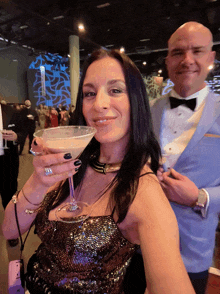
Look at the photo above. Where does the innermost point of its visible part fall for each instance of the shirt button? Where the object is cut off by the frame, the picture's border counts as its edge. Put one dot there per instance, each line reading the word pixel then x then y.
pixel 174 132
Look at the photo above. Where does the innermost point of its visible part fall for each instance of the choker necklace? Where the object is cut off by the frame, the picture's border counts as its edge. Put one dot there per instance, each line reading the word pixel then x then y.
pixel 103 168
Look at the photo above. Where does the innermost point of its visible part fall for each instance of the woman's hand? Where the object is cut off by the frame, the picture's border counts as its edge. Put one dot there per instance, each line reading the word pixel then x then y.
pixel 52 168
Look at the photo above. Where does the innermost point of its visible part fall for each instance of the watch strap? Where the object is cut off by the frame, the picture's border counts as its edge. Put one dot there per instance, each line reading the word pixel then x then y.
pixel 202 202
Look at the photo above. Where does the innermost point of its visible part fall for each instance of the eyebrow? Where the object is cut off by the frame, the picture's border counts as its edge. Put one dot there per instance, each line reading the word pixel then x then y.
pixel 111 82
pixel 182 49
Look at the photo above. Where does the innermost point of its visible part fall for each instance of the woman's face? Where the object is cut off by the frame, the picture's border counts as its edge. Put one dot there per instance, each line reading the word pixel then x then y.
pixel 106 104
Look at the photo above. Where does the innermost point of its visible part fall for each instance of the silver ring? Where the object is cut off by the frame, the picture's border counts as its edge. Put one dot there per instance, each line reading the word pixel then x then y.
pixel 48 171
pixel 35 153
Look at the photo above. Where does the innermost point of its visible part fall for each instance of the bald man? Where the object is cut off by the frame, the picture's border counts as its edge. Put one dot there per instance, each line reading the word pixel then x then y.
pixel 187 124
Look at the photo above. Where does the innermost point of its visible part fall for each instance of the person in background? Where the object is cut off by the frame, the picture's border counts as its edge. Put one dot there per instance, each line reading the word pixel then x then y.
pixel 16 107
pixel 10 134
pixel 41 116
pixel 3 102
pixel 117 179
pixel 28 119
pixel 48 118
pixel 58 109
pixel 187 124
pixel 64 117
pixel 53 117
pixel 71 114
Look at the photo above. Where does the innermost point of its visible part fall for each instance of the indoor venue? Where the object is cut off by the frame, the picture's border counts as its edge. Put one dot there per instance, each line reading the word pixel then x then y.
pixel 43 45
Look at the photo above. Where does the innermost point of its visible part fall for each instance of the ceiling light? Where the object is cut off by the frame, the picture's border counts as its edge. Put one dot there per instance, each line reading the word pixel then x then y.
pixel 23 27
pixel 160 71
pixel 122 50
pixel 81 27
pixel 103 5
pixel 210 67
pixel 58 17
pixel 144 63
pixel 109 45
pixel 68 55
pixel 144 40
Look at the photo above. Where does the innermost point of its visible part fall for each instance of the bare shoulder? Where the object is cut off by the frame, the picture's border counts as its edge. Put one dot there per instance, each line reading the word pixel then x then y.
pixel 150 209
pixel 150 206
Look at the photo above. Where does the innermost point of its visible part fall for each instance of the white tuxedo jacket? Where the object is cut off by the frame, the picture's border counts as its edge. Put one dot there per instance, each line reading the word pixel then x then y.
pixel 200 162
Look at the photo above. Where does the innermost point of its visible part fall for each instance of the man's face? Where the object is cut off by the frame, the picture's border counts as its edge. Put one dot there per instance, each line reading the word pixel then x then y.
pixel 27 103
pixel 188 60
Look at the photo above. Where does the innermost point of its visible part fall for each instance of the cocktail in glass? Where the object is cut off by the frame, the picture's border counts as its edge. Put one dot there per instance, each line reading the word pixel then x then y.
pixel 71 139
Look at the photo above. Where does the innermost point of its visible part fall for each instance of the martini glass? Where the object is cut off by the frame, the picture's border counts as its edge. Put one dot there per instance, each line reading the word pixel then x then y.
pixel 5 144
pixel 71 139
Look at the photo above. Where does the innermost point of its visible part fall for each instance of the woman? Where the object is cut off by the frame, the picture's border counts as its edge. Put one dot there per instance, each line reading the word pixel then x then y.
pixel 54 117
pixel 41 116
pixel 47 117
pixel 71 114
pixel 128 206
pixel 64 117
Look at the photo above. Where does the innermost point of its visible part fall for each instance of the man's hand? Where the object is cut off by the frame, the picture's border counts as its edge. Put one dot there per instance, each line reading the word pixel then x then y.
pixel 30 116
pixel 9 135
pixel 178 188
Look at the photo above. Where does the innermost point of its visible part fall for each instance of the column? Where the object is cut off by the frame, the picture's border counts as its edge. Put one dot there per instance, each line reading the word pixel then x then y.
pixel 74 66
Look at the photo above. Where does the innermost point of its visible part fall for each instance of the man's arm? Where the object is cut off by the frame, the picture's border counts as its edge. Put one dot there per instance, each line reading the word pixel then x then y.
pixel 178 188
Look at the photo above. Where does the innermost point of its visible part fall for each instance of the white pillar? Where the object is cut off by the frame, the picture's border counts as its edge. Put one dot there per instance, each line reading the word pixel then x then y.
pixel 74 66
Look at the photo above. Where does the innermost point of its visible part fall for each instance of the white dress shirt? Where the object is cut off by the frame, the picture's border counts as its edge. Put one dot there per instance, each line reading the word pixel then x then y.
pixel 178 127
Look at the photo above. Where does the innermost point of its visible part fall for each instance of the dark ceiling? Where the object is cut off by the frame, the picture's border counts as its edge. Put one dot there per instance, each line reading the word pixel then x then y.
pixel 142 27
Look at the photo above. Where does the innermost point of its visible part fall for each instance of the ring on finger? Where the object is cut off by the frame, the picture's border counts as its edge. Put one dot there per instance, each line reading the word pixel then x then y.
pixel 35 153
pixel 48 171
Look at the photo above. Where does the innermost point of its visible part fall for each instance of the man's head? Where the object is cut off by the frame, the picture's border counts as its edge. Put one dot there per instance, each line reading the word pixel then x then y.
pixel 189 57
pixel 27 103
pixel 3 102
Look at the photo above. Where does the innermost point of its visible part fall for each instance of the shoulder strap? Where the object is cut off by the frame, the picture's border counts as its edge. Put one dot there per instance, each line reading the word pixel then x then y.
pixel 113 210
pixel 147 173
pixel 22 243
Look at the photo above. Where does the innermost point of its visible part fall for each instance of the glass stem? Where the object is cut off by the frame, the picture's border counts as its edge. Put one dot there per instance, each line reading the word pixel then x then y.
pixel 71 185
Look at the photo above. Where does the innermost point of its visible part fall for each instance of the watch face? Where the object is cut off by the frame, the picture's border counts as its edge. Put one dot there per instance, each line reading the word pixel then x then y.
pixel 202 199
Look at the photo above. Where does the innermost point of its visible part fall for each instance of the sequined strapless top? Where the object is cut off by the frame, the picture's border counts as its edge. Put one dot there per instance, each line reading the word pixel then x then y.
pixel 85 257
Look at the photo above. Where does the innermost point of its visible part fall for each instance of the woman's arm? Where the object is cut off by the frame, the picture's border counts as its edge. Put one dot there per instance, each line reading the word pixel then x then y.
pixel 34 190
pixel 159 240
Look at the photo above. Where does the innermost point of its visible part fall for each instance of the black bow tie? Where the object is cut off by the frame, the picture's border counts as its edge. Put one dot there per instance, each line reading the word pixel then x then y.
pixel 191 103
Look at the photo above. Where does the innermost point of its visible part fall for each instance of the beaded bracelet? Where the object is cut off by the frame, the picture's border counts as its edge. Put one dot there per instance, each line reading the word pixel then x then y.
pixel 30 211
pixel 14 199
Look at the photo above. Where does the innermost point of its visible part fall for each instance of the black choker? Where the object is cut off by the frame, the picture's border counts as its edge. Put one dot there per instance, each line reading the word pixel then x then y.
pixel 103 168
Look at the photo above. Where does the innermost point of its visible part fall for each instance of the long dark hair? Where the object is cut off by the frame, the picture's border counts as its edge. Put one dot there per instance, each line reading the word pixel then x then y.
pixel 142 144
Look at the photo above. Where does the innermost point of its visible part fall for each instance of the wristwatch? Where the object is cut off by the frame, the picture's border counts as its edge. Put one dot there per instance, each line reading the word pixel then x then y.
pixel 201 202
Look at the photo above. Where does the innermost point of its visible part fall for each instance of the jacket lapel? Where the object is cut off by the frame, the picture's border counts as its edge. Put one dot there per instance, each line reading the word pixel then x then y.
pixel 210 113
pixel 157 113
